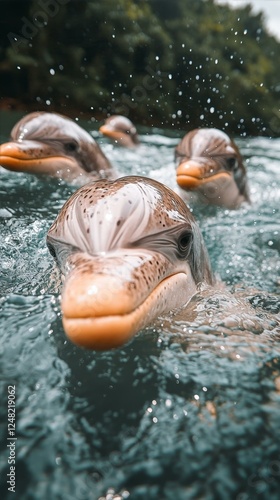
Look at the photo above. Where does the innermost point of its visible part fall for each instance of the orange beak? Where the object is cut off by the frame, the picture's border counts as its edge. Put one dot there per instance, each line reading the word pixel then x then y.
pixel 32 157
pixel 103 310
pixel 192 174
pixel 111 133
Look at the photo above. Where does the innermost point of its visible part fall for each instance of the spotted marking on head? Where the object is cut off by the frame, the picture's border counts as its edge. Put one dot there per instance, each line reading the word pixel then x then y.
pixel 132 212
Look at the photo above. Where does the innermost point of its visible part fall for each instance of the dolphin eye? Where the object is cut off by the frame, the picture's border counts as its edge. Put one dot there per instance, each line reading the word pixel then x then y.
pixel 184 241
pixel 71 147
pixel 232 163
pixel 125 130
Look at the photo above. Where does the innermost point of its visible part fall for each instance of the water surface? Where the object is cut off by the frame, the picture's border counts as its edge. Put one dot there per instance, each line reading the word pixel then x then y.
pixel 190 407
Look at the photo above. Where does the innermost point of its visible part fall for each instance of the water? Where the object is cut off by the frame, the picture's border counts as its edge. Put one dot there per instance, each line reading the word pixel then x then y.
pixel 190 407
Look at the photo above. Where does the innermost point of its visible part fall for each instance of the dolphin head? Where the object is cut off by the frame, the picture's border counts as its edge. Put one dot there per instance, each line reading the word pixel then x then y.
pixel 210 167
pixel 120 130
pixel 130 251
pixel 48 143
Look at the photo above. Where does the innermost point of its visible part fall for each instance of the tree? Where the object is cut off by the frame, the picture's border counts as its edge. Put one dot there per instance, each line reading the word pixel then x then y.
pixel 183 63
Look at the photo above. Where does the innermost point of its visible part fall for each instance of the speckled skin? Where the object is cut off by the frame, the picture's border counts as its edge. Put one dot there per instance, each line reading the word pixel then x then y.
pixel 52 144
pixel 120 130
pixel 210 168
pixel 131 250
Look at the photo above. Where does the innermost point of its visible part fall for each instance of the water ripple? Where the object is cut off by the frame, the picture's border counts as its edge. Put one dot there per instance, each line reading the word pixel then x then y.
pixel 190 407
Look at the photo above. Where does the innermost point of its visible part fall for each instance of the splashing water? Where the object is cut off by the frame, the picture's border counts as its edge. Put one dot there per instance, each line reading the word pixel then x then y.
pixel 190 407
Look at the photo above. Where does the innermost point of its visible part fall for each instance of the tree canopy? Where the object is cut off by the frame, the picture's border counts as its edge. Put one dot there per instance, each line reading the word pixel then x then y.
pixel 180 64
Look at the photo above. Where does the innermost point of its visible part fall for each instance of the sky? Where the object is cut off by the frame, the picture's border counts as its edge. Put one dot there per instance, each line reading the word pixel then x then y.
pixel 271 9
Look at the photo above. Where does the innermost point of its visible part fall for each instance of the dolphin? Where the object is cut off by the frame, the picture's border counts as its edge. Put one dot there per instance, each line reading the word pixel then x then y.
pixel 130 251
pixel 120 130
pixel 210 168
pixel 52 144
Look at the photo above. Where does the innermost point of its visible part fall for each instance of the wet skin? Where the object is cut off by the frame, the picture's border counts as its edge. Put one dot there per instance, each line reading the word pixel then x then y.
pixel 52 144
pixel 210 169
pixel 120 130
pixel 130 251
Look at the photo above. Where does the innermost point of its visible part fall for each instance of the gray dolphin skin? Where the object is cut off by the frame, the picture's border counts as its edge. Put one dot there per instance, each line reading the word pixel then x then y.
pixel 120 130
pixel 210 169
pixel 52 144
pixel 130 251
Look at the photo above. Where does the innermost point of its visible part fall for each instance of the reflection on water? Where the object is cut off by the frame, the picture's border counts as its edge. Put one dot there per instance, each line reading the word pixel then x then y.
pixel 189 408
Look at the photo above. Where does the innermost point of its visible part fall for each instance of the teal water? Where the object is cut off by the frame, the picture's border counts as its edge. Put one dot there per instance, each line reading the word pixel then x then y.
pixel 190 408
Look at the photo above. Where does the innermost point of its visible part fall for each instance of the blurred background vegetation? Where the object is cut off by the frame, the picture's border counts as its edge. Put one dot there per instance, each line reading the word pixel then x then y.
pixel 167 63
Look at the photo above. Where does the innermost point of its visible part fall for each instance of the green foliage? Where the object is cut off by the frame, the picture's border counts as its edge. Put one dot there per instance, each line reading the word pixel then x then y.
pixel 184 63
